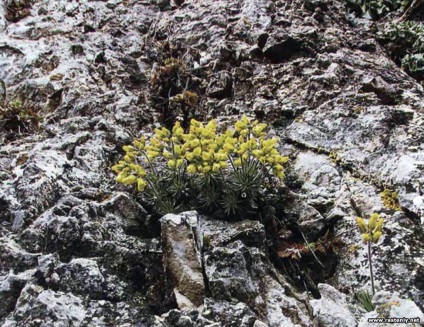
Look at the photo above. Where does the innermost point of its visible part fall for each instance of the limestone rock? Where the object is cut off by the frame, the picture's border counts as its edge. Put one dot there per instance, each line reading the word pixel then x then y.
pixel 332 308
pixel 180 242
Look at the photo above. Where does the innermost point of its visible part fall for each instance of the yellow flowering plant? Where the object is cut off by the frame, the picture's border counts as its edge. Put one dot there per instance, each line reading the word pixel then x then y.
pixel 225 172
pixel 371 233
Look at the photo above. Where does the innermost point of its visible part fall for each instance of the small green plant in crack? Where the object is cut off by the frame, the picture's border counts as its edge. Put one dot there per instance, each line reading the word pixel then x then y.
pixel 19 117
pixel 371 233
pixel 405 45
pixel 17 9
pixel 364 298
pixel 414 64
pixel 227 173
pixel 376 9
pixel 175 86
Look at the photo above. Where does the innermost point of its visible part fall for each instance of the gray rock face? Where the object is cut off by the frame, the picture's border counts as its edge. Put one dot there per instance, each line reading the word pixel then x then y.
pixel 332 308
pixel 38 306
pixel 182 259
pixel 243 286
pixel 78 250
pixel 106 283
pixel 238 271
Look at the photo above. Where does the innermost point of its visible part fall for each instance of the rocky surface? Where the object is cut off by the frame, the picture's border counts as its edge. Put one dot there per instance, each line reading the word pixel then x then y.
pixel 332 309
pixel 390 306
pixel 78 250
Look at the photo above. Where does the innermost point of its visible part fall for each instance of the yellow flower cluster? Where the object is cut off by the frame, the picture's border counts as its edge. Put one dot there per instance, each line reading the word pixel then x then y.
pixel 202 150
pixel 371 231
pixel 205 151
pixel 129 172
pixel 252 143
pixel 244 127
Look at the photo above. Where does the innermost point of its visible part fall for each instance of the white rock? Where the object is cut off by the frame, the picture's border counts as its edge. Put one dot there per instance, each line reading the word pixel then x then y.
pixel 332 309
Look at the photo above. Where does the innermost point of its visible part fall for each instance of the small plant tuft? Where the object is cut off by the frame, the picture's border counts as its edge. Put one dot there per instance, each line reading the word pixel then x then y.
pixel 364 298
pixel 17 117
pixel 390 200
pixel 405 44
pixel 376 9
pixel 17 9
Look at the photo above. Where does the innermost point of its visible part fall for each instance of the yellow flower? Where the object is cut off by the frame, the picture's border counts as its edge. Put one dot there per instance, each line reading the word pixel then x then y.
pixel 220 156
pixel 280 159
pixel 119 166
pixel 228 147
pixel 278 171
pixel 242 149
pixel 141 185
pixel 206 143
pixel 257 131
pixel 223 164
pixel 194 143
pixel 257 153
pixel 244 132
pixel 197 152
pixel 138 169
pixel 376 236
pixel 163 134
pixel 177 130
pixel 128 148
pixel 361 225
pixel 172 164
pixel 185 147
pixel 140 144
pixel 378 225
pixel 237 162
pixel 280 174
pixel 216 167
pixel 188 137
pixel 154 142
pixel 207 156
pixel 251 144
pixel 366 238
pixel 190 156
pixel 191 169
pixel 195 127
pixel 211 125
pixel 178 151
pixel 205 133
pixel 195 124
pixel 167 154
pixel 373 221
pixel 269 159
pixel 129 158
pixel 245 120
pixel 239 126
pixel 278 167
pixel 120 178
pixel 213 146
pixel 129 180
pixel 152 154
